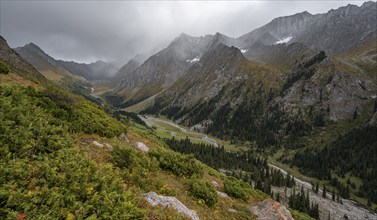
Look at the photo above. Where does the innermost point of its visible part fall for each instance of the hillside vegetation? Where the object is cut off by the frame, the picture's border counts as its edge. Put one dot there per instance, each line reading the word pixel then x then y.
pixel 52 165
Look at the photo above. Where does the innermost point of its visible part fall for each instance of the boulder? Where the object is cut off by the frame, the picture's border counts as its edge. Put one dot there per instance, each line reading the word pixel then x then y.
pixel 232 210
pixel 97 144
pixel 215 184
pixel 270 209
pixel 141 146
pixel 222 194
pixel 170 201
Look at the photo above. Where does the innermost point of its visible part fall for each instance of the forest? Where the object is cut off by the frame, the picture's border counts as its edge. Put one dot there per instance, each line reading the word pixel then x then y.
pixel 341 158
pixel 247 167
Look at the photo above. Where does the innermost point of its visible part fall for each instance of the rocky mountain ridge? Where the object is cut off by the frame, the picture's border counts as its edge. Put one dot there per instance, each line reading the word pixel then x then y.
pixel 268 44
pixel 99 70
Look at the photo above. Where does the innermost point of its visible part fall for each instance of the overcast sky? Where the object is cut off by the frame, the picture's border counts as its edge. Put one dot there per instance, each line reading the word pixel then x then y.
pixel 85 31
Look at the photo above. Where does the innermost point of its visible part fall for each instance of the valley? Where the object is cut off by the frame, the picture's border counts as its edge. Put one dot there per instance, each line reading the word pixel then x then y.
pixel 165 128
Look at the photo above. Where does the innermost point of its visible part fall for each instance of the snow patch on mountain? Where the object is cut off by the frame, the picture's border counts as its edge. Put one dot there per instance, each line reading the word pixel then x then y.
pixel 283 41
pixel 244 50
pixel 195 59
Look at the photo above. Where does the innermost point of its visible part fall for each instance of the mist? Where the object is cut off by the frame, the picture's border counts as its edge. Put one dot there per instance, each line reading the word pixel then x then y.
pixel 116 31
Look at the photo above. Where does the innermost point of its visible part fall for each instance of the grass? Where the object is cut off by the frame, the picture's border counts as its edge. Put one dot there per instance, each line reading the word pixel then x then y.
pixel 140 106
pixel 300 216
pixel 292 170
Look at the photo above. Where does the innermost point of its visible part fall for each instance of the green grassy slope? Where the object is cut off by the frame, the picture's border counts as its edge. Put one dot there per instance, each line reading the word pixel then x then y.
pixel 50 168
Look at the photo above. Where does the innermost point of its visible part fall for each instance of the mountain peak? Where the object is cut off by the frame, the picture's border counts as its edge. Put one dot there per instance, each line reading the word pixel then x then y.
pixel 33 46
pixel 182 37
pixel 368 4
pixel 221 50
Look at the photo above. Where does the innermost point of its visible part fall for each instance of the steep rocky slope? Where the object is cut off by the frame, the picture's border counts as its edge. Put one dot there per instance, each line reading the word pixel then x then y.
pixel 330 31
pixel 57 70
pixel 270 43
pixel 52 69
pixel 162 69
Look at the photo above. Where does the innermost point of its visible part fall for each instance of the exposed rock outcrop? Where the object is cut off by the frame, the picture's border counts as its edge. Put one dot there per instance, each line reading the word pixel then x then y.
pixel 97 144
pixel 141 146
pixel 170 201
pixel 270 209
pixel 222 194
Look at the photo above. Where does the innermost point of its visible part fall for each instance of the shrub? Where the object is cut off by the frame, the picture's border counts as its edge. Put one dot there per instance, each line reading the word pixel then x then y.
pixel 62 184
pixel 234 188
pixel 178 164
pixel 4 68
pixel 137 168
pixel 203 190
pixel 26 129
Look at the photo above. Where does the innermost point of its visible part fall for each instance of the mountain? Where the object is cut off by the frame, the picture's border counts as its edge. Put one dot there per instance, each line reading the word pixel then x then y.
pixel 270 43
pixel 278 28
pixel 98 70
pixel 330 31
pixel 53 70
pixel 219 66
pixel 162 69
pixel 127 68
pixel 48 66
pixel 59 71
pixel 16 63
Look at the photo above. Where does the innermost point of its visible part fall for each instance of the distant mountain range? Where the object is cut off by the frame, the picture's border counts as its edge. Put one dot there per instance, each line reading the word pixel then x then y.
pixel 282 41
pixel 54 69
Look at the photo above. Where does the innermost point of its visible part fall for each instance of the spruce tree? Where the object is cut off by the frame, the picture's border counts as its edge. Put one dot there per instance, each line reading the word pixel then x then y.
pixel 324 191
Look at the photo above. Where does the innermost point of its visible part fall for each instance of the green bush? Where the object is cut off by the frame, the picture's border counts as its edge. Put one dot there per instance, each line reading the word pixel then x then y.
pixel 26 129
pixel 137 168
pixel 42 175
pixel 81 115
pixel 203 190
pixel 4 68
pixel 63 184
pixel 178 164
pixel 233 187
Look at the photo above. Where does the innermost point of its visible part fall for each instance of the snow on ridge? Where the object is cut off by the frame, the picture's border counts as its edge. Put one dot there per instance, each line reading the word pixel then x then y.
pixel 244 50
pixel 195 59
pixel 283 41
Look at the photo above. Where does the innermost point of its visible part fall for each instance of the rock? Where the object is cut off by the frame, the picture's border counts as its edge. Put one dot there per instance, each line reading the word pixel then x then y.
pixel 109 147
pixel 270 209
pixel 97 144
pixel 215 184
pixel 170 201
pixel 232 210
pixel 141 146
pixel 123 137
pixel 222 194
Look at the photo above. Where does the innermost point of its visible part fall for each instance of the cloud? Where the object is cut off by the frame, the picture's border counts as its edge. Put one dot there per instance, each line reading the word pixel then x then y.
pixel 86 31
